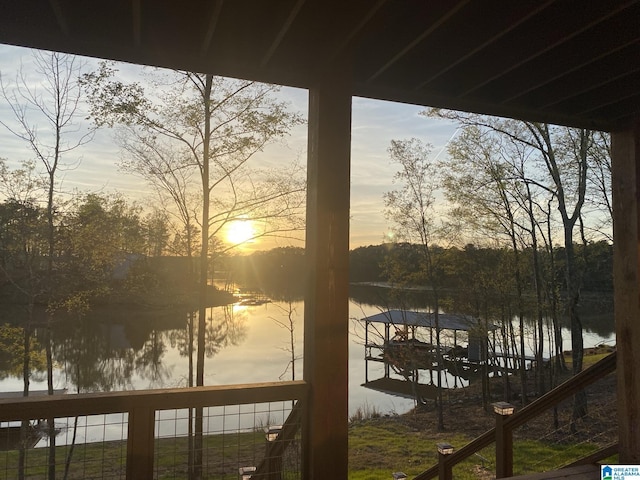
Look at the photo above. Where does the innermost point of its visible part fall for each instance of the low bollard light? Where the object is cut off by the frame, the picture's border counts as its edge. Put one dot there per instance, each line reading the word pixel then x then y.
pixel 272 432
pixel 274 461
pixel 504 440
pixel 503 408
pixel 445 472
pixel 444 448
pixel 245 472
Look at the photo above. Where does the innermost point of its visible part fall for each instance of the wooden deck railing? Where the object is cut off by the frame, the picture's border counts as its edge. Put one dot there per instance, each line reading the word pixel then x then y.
pixel 502 434
pixel 142 406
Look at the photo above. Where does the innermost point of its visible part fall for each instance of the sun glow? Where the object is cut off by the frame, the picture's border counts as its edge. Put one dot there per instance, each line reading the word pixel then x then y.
pixel 240 231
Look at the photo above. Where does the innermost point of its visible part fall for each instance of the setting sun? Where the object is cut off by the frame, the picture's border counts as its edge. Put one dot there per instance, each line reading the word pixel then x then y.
pixel 240 231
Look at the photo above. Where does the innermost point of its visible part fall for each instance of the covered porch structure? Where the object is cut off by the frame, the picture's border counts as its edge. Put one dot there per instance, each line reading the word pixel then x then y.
pixel 569 62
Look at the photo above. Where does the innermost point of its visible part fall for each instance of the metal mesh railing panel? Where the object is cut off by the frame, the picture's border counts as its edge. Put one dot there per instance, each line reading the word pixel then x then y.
pixel 85 447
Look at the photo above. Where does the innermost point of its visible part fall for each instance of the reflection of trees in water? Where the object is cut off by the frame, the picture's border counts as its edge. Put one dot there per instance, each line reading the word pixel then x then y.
pixel 108 356
pixel 12 339
pixel 603 324
pixel 95 353
pixel 224 327
pixel 93 357
pixel 148 360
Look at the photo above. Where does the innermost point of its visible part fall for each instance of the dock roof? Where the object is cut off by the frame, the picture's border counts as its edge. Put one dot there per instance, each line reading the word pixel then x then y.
pixel 447 321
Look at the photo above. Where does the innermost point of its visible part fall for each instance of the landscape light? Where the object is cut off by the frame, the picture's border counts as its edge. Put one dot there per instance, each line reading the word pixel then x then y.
pixel 272 432
pixel 444 448
pixel 245 472
pixel 399 475
pixel 503 408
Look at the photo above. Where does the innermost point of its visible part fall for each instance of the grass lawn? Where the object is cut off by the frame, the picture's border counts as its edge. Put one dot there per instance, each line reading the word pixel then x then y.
pixel 377 448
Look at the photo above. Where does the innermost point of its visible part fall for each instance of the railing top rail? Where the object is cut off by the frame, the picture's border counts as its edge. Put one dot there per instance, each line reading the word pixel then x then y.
pixel 478 443
pixel 98 403
pixel 566 389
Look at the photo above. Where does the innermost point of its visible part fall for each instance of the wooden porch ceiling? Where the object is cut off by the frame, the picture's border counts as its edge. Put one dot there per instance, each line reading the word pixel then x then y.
pixel 572 62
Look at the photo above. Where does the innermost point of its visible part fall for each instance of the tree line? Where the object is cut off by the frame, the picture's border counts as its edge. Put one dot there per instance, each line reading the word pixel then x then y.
pixel 525 187
pixel 465 267
pixel 466 272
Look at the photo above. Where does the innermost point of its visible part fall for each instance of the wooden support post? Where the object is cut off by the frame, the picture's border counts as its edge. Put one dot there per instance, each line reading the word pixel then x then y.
pixel 445 472
pixel 273 456
pixel 326 309
pixel 445 469
pixel 625 153
pixel 367 352
pixel 504 448
pixel 504 440
pixel 387 337
pixel 140 443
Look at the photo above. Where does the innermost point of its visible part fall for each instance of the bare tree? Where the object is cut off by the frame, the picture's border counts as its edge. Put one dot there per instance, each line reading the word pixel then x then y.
pixel 412 209
pixel 599 181
pixel 196 133
pixel 565 155
pixel 45 115
pixel 482 182
pixel 290 326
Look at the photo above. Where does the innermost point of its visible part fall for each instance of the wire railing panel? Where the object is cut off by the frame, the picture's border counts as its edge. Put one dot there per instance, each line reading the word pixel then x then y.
pixel 215 432
pixel 85 447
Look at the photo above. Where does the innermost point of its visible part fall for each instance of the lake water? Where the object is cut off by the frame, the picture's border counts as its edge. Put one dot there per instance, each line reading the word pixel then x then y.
pixel 253 346
pixel 257 351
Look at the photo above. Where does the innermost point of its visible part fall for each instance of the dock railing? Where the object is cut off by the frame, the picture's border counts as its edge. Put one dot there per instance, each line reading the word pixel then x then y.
pixel 155 431
pixel 502 434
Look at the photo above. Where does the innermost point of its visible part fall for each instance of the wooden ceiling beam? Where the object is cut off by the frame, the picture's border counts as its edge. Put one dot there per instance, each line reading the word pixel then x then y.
pixel 485 44
pixel 60 17
pixel 136 19
pixel 565 38
pixel 393 43
pixel 624 119
pixel 282 32
pixel 607 103
pixel 211 28
pixel 356 30
pixel 564 73
pixel 589 88
pixel 437 24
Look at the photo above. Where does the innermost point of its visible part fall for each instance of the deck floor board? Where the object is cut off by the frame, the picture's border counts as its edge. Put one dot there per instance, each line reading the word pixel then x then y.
pixel 581 472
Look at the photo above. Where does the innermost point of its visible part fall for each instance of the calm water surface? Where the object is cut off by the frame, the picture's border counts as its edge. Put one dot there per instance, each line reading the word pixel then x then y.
pixel 251 346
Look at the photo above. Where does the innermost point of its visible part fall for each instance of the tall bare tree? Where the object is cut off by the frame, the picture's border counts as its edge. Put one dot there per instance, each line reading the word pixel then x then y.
pixel 412 209
pixel 45 116
pixel 482 183
pixel 565 156
pixel 197 126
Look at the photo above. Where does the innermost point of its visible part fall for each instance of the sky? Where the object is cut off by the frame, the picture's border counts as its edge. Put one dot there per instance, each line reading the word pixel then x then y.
pixel 374 125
